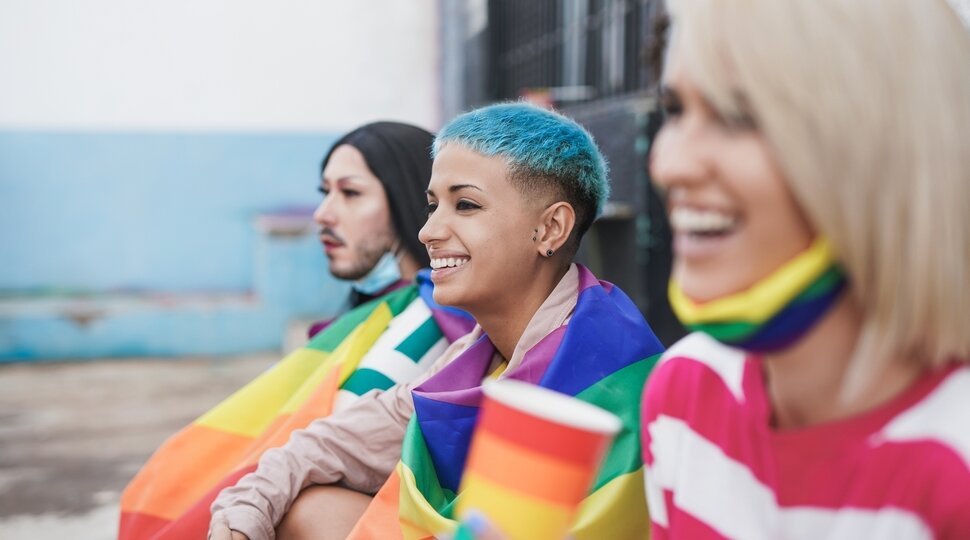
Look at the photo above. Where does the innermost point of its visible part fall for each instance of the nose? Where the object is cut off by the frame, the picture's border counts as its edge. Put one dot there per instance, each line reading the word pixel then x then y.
pixel 677 156
pixel 324 214
pixel 434 229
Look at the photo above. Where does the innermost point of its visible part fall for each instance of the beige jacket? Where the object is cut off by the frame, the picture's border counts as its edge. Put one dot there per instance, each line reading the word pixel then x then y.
pixel 359 446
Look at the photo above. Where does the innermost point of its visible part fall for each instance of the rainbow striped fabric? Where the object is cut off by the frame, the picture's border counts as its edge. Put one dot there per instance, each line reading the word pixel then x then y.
pixel 602 356
pixel 389 340
pixel 773 313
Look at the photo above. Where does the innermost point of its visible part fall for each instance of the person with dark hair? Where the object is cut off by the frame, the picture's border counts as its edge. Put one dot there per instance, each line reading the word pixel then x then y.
pixel 373 180
pixel 512 191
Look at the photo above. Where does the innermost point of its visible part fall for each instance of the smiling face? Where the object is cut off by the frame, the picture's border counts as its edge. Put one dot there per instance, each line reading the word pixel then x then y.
pixel 354 217
pixel 479 232
pixel 733 217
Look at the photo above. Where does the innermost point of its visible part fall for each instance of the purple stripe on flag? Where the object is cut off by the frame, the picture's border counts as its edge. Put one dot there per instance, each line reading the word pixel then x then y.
pixel 536 361
pixel 460 381
pixel 452 326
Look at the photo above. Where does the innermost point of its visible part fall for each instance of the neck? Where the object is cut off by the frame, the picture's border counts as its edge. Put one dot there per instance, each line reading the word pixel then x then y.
pixel 506 319
pixel 807 381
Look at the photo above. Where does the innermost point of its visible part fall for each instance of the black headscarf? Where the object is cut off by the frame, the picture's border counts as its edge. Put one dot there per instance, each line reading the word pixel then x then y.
pixel 399 155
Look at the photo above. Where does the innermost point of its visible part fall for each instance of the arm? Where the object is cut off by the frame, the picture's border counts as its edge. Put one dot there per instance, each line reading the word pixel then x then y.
pixel 219 530
pixel 357 447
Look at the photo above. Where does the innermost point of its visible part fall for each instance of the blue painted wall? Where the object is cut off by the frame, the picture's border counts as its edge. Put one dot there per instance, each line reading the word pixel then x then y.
pixel 136 211
pixel 153 235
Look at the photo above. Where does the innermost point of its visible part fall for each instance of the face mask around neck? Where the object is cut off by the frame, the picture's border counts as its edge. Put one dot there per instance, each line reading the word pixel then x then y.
pixel 774 312
pixel 385 273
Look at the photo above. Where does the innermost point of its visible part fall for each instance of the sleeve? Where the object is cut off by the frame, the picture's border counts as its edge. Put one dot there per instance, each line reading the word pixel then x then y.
pixel 358 447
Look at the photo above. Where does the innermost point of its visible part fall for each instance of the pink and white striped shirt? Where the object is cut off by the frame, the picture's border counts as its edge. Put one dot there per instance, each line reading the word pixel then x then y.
pixel 715 468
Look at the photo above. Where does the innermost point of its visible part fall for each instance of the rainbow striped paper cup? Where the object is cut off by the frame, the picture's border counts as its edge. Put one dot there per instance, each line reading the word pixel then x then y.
pixel 533 458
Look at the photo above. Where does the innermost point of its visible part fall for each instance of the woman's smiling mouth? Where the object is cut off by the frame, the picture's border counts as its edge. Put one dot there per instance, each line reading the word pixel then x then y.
pixel 699 232
pixel 442 267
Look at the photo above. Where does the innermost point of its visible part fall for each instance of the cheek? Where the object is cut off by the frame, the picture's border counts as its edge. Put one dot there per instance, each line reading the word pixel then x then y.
pixel 367 218
pixel 657 159
pixel 496 246
pixel 775 227
pixel 773 213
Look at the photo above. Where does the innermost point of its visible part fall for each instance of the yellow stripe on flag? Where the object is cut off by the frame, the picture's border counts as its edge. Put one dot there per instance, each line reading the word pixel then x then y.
pixel 248 411
pixel 764 299
pixel 364 336
pixel 416 512
pixel 618 509
pixel 285 387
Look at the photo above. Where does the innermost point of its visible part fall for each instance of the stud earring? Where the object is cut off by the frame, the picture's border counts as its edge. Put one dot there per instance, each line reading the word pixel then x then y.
pixel 548 253
pixel 535 233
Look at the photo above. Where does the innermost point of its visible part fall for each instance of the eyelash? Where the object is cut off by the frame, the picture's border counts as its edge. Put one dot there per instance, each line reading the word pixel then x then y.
pixel 349 193
pixel 461 206
pixel 466 205
pixel 670 106
pixel 671 110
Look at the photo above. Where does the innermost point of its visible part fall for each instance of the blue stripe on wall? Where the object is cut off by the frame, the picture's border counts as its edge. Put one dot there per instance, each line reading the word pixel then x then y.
pixel 166 212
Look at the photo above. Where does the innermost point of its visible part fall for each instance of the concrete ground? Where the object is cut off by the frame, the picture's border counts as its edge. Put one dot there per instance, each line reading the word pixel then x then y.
pixel 72 434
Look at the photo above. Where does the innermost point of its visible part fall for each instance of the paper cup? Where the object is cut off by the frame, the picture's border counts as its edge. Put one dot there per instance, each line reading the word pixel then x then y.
pixel 533 458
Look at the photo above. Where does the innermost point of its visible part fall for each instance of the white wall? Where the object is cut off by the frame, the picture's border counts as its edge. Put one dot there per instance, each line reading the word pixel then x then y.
pixel 214 65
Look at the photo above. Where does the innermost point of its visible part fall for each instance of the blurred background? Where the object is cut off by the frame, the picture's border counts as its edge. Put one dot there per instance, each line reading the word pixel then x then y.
pixel 158 168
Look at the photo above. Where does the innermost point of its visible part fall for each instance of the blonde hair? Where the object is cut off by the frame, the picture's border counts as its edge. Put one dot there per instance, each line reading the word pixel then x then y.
pixel 866 105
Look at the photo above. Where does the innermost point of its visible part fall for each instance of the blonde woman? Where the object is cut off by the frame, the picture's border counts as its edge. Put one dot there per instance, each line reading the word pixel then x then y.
pixel 816 159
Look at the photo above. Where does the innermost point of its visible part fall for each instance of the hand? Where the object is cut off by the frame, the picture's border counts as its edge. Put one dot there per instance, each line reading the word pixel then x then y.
pixel 219 529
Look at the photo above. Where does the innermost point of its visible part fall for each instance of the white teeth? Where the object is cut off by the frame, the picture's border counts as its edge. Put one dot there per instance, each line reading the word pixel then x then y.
pixel 450 262
pixel 693 220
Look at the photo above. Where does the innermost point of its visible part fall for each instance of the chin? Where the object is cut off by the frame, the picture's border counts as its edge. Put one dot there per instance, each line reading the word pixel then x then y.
pixel 450 298
pixel 701 288
pixel 442 297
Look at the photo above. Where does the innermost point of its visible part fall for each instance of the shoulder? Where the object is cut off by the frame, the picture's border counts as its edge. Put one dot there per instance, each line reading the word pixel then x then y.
pixel 697 379
pixel 939 418
pixel 700 357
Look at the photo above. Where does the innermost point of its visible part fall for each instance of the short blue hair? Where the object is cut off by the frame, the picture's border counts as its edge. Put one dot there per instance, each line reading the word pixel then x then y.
pixel 538 145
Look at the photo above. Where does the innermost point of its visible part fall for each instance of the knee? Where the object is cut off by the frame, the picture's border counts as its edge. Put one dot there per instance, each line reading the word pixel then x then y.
pixel 322 512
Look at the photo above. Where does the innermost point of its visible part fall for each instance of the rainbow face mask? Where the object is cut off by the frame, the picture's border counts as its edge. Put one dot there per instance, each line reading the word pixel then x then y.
pixel 773 313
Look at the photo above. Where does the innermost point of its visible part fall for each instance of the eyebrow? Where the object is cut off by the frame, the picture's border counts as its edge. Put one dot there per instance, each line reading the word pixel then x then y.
pixel 456 187
pixel 323 179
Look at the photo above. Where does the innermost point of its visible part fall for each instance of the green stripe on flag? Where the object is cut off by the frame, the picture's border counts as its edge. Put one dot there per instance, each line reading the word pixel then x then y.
pixel 421 340
pixel 331 336
pixel 400 299
pixel 615 393
pixel 365 379
pixel 823 285
pixel 728 331
pixel 415 456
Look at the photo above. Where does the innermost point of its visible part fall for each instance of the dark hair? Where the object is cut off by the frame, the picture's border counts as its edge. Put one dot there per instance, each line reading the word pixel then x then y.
pixel 399 155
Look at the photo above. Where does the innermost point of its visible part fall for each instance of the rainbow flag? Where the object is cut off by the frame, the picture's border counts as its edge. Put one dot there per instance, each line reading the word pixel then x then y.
pixel 602 356
pixel 389 340
pixel 776 311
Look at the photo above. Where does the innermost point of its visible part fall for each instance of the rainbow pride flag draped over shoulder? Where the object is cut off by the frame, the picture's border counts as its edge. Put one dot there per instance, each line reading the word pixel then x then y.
pixel 602 356
pixel 389 340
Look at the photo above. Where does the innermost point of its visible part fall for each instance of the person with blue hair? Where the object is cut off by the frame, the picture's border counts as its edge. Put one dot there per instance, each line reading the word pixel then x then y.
pixel 513 190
